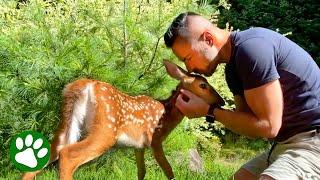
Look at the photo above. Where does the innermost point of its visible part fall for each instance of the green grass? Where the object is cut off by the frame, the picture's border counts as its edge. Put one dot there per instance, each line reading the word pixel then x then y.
pixel 119 163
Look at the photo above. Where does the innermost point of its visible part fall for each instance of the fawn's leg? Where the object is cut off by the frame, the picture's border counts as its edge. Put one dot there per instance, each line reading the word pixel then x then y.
pixel 72 156
pixel 140 163
pixel 60 139
pixel 55 147
pixel 162 160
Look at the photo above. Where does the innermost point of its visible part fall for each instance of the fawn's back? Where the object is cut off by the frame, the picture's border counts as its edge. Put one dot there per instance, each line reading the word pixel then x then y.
pixel 95 103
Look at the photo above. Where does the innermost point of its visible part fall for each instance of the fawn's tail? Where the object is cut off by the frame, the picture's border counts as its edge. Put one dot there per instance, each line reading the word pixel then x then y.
pixel 77 98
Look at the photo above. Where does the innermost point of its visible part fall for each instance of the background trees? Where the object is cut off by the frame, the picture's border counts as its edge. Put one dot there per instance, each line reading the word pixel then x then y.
pixel 299 20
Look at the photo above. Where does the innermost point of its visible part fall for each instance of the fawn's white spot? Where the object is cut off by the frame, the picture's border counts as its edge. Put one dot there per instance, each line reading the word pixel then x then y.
pixel 107 108
pixel 28 157
pixel 151 130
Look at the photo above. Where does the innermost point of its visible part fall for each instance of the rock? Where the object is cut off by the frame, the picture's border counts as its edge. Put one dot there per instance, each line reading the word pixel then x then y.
pixel 195 161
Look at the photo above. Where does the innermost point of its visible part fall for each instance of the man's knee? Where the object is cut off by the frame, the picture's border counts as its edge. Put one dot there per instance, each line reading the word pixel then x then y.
pixel 244 174
pixel 265 177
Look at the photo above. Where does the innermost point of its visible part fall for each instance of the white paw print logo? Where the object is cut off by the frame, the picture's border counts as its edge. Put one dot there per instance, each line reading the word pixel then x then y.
pixel 27 157
pixel 30 151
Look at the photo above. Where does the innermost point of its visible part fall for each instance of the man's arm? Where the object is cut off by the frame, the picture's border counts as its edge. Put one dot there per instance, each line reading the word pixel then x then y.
pixel 265 117
pixel 241 104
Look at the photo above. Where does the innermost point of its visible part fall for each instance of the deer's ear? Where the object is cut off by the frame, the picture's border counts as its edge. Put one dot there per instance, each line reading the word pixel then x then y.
pixel 174 70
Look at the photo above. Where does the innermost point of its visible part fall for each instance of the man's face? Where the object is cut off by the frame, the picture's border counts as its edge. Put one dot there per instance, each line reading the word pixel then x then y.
pixel 198 56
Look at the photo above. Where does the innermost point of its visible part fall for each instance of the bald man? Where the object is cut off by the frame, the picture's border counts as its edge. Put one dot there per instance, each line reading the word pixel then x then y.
pixel 276 87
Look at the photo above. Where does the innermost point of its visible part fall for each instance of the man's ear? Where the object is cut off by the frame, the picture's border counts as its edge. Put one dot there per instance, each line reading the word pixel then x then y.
pixel 174 70
pixel 208 38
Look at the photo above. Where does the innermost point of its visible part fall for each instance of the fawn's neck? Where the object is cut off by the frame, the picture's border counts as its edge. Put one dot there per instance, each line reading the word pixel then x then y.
pixel 169 120
pixel 172 113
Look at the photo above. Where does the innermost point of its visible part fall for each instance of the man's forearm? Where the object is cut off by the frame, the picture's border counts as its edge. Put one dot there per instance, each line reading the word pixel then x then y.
pixel 244 123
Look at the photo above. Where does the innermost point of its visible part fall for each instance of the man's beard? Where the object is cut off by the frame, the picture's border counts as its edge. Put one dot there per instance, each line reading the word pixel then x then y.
pixel 212 66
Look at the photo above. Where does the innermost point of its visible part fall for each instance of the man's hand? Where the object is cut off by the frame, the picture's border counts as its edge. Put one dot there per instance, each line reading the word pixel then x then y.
pixel 194 107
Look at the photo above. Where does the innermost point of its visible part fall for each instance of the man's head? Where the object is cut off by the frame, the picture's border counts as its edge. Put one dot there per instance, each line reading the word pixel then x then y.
pixel 197 42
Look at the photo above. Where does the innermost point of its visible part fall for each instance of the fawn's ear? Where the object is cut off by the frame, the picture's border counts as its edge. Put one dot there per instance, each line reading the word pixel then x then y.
pixel 174 70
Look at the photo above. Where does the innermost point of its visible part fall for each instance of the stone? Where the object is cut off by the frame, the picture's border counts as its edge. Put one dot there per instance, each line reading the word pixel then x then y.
pixel 195 161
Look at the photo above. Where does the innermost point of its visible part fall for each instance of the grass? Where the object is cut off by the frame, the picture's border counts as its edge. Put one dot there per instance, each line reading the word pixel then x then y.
pixel 119 163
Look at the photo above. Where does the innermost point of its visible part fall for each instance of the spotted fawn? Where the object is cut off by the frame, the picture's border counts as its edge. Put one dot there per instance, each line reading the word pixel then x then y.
pixel 96 116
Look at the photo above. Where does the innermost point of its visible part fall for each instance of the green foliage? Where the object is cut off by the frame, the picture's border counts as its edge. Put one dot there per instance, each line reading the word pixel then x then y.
pixel 120 163
pixel 45 45
pixel 299 20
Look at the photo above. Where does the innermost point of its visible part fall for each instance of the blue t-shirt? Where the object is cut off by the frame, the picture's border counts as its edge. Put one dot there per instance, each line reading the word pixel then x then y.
pixel 259 56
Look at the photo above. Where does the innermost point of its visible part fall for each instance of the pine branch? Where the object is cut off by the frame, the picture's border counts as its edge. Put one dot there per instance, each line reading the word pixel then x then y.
pixel 152 58
pixel 125 35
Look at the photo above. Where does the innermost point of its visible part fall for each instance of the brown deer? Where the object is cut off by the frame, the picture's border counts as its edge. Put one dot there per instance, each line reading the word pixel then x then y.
pixel 109 117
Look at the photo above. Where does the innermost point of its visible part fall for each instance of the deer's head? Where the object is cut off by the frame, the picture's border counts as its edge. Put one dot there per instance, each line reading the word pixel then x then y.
pixel 194 83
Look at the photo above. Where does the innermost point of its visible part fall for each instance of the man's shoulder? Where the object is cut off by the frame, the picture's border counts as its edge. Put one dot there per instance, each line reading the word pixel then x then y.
pixel 253 35
pixel 257 32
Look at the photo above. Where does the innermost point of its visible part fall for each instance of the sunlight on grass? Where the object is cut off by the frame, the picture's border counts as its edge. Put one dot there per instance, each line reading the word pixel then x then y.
pixel 119 163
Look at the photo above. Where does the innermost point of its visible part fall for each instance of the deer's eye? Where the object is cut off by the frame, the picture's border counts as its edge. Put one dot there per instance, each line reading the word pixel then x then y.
pixel 203 86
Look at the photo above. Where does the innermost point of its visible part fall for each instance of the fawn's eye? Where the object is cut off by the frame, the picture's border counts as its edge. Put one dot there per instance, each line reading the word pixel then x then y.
pixel 203 86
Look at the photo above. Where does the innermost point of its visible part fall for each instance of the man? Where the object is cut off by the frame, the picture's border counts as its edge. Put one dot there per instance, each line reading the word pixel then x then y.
pixel 276 87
